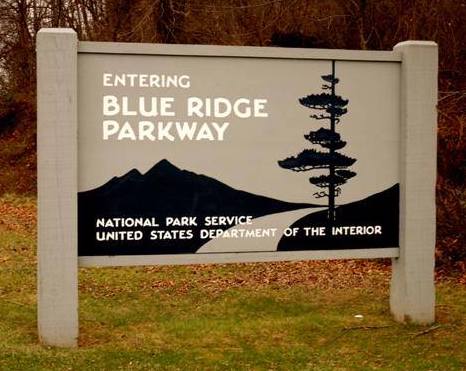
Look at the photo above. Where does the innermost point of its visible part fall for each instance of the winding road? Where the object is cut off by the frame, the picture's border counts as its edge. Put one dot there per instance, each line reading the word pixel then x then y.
pixel 280 221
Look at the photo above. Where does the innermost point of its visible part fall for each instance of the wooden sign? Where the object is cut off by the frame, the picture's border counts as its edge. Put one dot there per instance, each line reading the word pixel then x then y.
pixel 177 154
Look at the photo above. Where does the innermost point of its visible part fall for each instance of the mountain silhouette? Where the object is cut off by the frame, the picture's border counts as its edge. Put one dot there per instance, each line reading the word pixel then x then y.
pixel 164 191
pixel 380 209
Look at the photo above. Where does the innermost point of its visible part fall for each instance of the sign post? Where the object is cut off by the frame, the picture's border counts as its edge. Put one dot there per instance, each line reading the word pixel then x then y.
pixel 181 154
pixel 57 180
pixel 412 293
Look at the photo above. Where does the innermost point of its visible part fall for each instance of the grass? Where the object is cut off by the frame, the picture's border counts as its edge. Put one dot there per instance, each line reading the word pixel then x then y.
pixel 282 316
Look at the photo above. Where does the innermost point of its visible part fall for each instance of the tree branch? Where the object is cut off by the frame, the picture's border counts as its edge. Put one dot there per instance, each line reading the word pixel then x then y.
pixel 320 117
pixel 430 329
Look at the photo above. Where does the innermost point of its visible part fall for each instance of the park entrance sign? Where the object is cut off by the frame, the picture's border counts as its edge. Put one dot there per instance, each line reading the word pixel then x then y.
pixel 182 154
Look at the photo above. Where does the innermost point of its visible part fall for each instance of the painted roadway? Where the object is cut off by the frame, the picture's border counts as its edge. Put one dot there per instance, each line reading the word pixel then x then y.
pixel 280 221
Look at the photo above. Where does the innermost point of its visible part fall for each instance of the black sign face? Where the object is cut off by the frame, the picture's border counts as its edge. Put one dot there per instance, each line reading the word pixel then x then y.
pixel 207 155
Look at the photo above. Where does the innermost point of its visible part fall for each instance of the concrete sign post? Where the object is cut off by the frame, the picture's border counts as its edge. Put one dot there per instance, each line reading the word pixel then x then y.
pixel 181 154
pixel 412 294
pixel 57 181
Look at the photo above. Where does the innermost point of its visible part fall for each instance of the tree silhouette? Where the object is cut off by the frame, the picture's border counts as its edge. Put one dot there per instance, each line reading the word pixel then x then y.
pixel 331 107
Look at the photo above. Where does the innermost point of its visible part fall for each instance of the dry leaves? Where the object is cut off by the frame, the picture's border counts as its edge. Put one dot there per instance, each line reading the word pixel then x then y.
pixel 324 275
pixel 16 216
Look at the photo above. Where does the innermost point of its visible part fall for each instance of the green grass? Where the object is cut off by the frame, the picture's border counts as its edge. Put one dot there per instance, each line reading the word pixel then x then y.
pixel 224 317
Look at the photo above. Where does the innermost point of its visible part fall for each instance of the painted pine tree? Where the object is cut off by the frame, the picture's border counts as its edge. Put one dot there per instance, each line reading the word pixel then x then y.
pixel 334 164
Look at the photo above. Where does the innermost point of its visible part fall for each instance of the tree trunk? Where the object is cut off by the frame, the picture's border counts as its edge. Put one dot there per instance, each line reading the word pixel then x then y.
pixel 331 187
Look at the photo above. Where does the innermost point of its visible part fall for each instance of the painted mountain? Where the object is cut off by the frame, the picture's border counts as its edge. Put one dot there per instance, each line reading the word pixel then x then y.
pixel 164 191
pixel 380 209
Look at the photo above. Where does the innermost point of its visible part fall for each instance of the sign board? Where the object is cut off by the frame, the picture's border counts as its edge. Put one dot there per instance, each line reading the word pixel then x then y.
pixel 167 154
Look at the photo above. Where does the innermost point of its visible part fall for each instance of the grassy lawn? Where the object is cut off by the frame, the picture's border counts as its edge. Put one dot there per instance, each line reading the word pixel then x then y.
pixel 281 316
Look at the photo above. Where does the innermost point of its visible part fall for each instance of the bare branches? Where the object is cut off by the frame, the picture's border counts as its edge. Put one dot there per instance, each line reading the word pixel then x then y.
pixel 428 330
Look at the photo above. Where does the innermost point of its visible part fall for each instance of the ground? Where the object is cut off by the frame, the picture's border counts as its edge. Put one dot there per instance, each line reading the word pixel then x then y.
pixel 281 316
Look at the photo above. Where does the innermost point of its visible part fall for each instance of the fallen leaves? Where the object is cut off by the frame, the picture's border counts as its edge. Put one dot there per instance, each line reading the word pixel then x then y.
pixel 18 216
pixel 324 275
